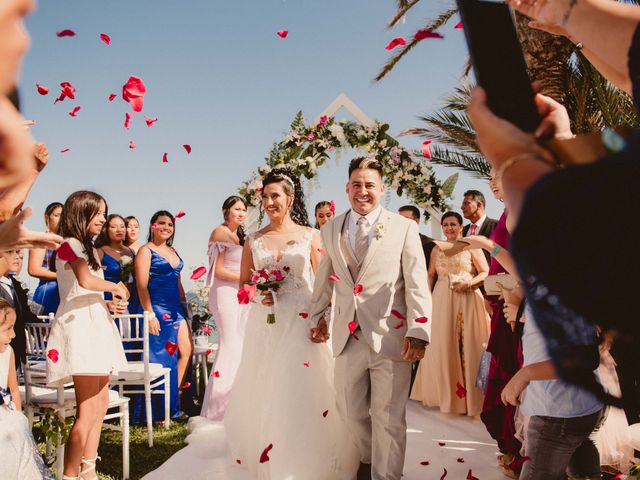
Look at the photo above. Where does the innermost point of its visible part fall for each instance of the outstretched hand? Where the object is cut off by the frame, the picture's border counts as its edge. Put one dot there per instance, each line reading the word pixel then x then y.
pixel 14 235
pixel 320 333
pixel 549 12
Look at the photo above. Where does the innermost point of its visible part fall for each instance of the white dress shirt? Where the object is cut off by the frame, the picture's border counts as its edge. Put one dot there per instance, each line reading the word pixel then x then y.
pixel 478 225
pixel 372 217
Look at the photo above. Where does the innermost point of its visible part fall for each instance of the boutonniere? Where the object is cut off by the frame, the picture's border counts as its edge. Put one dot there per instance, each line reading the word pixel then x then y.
pixel 379 230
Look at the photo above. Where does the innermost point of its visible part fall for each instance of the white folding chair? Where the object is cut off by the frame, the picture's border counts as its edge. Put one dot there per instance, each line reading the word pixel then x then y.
pixel 39 398
pixel 134 331
pixel 199 362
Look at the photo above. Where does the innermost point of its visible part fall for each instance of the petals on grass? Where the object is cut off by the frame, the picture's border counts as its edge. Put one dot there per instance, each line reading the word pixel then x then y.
pixel 397 314
pixel 426 33
pixel 461 392
pixel 150 121
pixel 53 355
pixel 426 149
pixel 132 145
pixel 105 38
pixel 75 110
pixel 171 347
pixel 264 456
pixel 133 92
pixel 112 96
pixel 187 147
pixel 128 116
pixel 395 42
pixel 304 315
pixel 42 90
pixel 282 33
pixel 197 273
pixel 353 325
pixel 357 290
pixel 422 320
pixel 246 293
pixel 66 253
pixel 334 278
pixel 325 413
pixel 180 214
pixel 66 33
pixel 444 474
pixel 165 158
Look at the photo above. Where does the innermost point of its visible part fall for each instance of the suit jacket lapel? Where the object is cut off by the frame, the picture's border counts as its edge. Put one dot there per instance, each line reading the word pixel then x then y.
pixel 338 227
pixel 382 225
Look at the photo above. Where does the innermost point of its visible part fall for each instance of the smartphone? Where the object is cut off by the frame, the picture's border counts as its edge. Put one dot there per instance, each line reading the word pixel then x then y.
pixel 498 62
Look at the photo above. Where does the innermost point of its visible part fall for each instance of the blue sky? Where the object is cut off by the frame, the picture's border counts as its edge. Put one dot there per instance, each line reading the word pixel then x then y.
pixel 219 79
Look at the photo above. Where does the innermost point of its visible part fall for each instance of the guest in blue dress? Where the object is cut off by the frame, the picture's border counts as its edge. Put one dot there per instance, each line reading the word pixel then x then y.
pixel 46 294
pixel 116 257
pixel 158 268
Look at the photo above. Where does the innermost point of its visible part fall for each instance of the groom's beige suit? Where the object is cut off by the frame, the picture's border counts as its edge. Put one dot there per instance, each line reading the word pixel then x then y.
pixel 371 379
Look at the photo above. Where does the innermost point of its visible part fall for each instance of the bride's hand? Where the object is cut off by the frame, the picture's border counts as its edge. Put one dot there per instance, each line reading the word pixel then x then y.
pixel 320 333
pixel 268 298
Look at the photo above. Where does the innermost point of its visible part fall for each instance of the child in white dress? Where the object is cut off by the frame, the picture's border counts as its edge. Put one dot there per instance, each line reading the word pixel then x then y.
pixel 20 457
pixel 84 345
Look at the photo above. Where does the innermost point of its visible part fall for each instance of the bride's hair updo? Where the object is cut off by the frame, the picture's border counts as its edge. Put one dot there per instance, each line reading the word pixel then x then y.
pixel 291 186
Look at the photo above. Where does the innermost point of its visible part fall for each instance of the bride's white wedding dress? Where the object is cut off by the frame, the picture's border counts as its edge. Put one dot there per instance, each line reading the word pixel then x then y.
pixel 282 405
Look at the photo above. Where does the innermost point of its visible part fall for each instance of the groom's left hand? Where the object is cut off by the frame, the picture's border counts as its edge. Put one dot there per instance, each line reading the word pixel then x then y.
pixel 413 349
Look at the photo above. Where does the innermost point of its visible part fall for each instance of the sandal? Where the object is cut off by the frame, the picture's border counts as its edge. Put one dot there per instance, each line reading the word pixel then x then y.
pixel 90 467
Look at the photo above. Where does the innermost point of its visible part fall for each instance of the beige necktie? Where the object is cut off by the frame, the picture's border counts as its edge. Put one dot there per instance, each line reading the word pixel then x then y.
pixel 362 239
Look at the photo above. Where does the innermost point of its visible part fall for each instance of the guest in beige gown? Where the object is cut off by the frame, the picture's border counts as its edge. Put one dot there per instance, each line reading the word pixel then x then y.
pixel 460 325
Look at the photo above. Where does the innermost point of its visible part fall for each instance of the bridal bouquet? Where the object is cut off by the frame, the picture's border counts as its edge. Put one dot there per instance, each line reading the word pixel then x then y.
pixel 270 280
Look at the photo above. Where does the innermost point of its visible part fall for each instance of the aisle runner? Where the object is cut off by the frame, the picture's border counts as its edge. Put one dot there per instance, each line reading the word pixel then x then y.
pixel 467 445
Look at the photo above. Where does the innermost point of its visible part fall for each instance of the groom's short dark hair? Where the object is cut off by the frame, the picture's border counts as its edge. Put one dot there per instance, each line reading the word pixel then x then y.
pixel 365 162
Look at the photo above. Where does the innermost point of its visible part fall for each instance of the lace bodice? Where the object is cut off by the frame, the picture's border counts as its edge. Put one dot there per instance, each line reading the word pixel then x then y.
pixel 293 251
pixel 457 267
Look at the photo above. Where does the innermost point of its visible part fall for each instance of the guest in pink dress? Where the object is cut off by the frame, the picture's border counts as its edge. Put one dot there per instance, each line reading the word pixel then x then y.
pixel 225 253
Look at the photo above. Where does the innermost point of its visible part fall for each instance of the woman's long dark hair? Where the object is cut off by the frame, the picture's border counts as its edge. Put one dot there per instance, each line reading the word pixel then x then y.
pixel 103 239
pixel 77 212
pixel 50 209
pixel 154 218
pixel 319 205
pixel 226 207
pixel 127 240
pixel 286 176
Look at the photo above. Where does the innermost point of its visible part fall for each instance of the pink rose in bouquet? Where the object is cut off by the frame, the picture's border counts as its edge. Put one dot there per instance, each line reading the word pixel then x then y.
pixel 269 280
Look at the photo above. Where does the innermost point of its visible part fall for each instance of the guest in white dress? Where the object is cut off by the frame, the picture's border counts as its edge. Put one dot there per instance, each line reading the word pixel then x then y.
pixel 84 345
pixel 225 252
pixel 20 457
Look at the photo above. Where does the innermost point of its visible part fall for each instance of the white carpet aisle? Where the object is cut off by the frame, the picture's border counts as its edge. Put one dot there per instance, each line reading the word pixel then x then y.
pixel 464 438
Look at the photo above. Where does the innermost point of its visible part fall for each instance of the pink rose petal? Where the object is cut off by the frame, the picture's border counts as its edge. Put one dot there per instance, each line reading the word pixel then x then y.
pixel 180 215
pixel 166 316
pixel 150 121
pixel 132 145
pixel 105 38
pixel 332 206
pixel 334 278
pixel 198 272
pixel 187 147
pixel 282 33
pixel 155 226
pixel 53 355
pixel 246 293
pixel 395 42
pixel 133 92
pixel 426 150
pixel 185 385
pixel 216 374
pixel 42 90
pixel 165 158
pixel 353 325
pixel 397 314
pixel 322 251
pixel 112 96
pixel 459 25
pixel 66 33
pixel 128 116
pixel 426 33
pixel 422 320
pixel 357 290
pixel 75 110
pixel 171 347
pixel 306 364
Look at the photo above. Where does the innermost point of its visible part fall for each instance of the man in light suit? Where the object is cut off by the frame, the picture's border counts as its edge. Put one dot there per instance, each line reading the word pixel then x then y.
pixel 375 264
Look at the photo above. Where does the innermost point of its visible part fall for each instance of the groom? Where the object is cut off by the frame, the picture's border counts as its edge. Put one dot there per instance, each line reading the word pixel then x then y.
pixel 375 264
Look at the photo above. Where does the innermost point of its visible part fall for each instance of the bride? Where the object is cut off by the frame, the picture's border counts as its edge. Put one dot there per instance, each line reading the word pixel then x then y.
pixel 282 423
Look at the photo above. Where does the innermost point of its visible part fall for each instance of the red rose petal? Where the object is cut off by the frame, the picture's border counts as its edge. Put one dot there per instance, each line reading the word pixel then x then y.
pixel 470 476
pixel 332 206
pixel 264 456
pixel 399 326
pixel 150 121
pixel 356 337
pixel 357 290
pixel 238 461
pixel 426 150
pixel 165 158
pixel 53 355
pixel 198 272
pixel 458 25
pixel 166 316
pixel 426 33
pixel 132 145
pixel 67 91
pixel 127 119
pixel 187 147
pixel 425 462
pixel 325 413
pixel 442 444
pixel 444 474
pixel 66 33
pixel 516 464
pixel 246 293
pixel 66 253
pixel 395 42
pixel 42 90
pixel 75 110
pixel 208 352
pixel 216 374
pixel 460 460
pixel 282 33
pixel 180 215
pixel 353 325
pixel 617 476
pixel 304 315
pixel 397 314
pixel 105 38
pixel 461 392
pixel 171 347
pixel 133 92
pixel 334 278
pixel 422 320
pixel 306 364
pixel 65 150
pixel 186 385
pixel 112 96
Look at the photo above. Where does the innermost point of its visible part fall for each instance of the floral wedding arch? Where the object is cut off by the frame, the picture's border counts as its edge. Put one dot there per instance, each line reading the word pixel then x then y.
pixel 307 147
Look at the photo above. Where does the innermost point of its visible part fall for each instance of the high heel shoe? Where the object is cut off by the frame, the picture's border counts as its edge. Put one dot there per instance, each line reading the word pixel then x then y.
pixel 88 466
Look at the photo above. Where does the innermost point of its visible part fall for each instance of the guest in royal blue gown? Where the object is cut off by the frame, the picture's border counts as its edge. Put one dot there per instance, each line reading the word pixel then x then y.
pixel 158 268
pixel 115 257
pixel 46 294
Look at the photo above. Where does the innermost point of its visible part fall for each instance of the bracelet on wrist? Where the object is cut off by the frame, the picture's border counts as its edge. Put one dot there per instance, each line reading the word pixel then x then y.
pixel 495 251
pixel 518 158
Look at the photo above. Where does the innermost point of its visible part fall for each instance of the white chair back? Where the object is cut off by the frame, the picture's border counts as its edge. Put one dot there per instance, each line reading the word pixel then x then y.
pixel 35 367
pixel 134 332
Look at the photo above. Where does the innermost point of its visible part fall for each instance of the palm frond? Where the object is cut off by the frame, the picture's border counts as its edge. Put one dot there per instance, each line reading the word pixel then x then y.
pixel 402 11
pixel 476 165
pixel 431 25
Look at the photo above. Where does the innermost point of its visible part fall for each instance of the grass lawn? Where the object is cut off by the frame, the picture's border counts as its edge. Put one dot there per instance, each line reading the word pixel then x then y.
pixel 142 458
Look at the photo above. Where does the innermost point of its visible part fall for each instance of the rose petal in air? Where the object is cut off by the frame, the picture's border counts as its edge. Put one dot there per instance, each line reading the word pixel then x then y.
pixel 353 325
pixel 75 110
pixel 171 347
pixel 187 147
pixel 422 320
pixel 444 474
pixel 264 456
pixel 425 462
pixel 459 25
pixel 105 38
pixel 306 364
pixel 127 119
pixel 426 150
pixel 238 461
pixel 395 42
pixel 185 385
pixel 470 476
pixel 426 33
pixel 150 121
pixel 334 278
pixel 53 355
pixel 304 315
pixel 460 460
pixel 357 290
pixel 246 293
pixel 66 33
pixel 208 352
pixel 215 374
pixel 133 92
pixel 442 444
pixel 132 145
pixel 282 33
pixel 198 272
pixel 42 90
pixel 65 150
pixel 166 316
pixel 165 158
pixel 66 253
pixel 112 96
pixel 461 392
pixel 325 413
pixel 397 314
pixel 180 214
pixel 399 326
